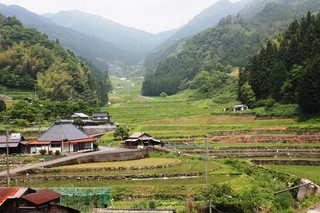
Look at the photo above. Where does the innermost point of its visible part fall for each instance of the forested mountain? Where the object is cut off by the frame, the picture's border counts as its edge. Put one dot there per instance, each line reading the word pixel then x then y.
pixel 207 18
pixel 287 69
pixel 29 60
pixel 86 44
pixel 232 42
pixel 134 44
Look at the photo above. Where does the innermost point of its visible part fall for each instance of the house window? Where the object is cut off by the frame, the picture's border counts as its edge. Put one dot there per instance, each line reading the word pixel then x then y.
pixel 87 145
pixel 55 145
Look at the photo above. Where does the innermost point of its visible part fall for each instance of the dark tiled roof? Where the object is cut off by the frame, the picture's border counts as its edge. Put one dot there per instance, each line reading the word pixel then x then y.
pixel 59 132
pixel 42 196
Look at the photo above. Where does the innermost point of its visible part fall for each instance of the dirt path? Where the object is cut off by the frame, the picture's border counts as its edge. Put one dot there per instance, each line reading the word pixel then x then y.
pixel 103 150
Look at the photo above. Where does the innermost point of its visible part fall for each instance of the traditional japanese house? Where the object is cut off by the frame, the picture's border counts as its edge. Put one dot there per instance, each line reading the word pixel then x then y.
pixel 16 143
pixel 62 136
pixel 140 140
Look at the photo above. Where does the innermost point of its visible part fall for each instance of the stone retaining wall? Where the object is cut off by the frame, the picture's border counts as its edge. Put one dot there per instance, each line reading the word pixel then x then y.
pixel 287 162
pixel 111 168
pixel 28 179
pixel 117 156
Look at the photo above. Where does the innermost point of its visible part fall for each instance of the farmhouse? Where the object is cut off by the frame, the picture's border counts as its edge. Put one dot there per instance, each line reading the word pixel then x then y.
pixel 62 136
pixel 16 143
pixel 19 200
pixel 239 107
pixel 98 118
pixel 77 115
pixel 234 108
pixel 140 140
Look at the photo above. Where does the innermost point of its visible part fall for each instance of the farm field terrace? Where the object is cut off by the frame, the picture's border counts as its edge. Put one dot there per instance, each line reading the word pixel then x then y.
pixel 310 172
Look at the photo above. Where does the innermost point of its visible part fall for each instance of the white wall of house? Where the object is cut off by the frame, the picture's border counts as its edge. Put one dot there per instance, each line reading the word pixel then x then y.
pixel 35 149
pixel 66 148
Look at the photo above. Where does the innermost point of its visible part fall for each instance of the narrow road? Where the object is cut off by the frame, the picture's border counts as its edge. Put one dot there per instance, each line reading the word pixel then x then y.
pixel 103 150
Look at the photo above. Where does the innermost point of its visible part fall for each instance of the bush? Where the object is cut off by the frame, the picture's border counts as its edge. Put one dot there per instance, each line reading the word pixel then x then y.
pixel 57 152
pixel 283 201
pixel 50 152
pixel 21 122
pixel 152 204
pixel 43 151
pixel 163 95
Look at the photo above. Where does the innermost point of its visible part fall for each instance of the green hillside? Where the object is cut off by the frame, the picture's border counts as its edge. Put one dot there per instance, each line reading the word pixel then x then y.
pixel 30 61
pixel 232 42
pixel 287 69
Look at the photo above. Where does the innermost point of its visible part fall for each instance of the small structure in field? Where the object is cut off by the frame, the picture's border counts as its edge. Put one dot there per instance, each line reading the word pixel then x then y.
pixel 16 143
pixel 140 140
pixel 234 108
pixel 307 188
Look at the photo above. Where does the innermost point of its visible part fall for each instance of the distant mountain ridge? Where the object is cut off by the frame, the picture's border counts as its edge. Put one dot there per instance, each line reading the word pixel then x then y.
pixel 129 48
pixel 134 43
pixel 206 19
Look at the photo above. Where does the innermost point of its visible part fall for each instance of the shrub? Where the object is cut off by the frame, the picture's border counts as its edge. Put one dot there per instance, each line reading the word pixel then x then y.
pixel 43 151
pixel 163 95
pixel 21 122
pixel 152 204
pixel 57 152
pixel 50 152
pixel 283 201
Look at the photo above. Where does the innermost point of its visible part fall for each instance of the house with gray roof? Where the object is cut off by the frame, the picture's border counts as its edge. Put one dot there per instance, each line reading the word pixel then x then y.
pixel 140 140
pixel 16 143
pixel 62 136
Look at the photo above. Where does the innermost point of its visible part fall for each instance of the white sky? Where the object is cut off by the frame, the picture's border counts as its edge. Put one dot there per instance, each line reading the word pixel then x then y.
pixel 149 15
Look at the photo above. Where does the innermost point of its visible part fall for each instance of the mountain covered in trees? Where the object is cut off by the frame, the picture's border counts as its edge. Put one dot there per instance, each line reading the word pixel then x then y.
pixel 211 53
pixel 29 60
pixel 206 19
pixel 101 41
pixel 287 69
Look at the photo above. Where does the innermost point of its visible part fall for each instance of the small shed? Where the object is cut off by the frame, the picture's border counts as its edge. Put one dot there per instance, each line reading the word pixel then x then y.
pixel 140 140
pixel 239 107
pixel 16 143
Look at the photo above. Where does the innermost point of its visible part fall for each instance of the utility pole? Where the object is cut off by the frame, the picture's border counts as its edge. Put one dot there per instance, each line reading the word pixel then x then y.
pixel 7 157
pixel 206 173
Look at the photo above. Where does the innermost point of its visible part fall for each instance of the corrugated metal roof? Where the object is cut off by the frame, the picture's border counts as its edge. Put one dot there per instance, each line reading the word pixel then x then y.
pixel 83 140
pixel 42 196
pixel 79 114
pixel 14 137
pixel 136 135
pixel 9 193
pixel 38 142
pixel 10 145
pixel 59 132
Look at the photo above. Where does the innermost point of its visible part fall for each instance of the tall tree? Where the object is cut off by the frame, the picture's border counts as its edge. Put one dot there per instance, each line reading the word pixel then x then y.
pixel 308 93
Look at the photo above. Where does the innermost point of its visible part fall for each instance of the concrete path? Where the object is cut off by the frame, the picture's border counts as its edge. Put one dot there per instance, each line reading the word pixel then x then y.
pixel 315 209
pixel 103 150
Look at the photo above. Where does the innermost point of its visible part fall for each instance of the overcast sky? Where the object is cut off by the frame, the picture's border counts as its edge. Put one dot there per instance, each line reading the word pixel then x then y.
pixel 149 15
